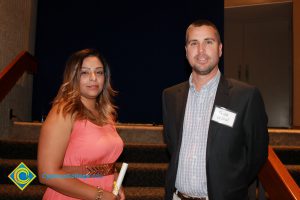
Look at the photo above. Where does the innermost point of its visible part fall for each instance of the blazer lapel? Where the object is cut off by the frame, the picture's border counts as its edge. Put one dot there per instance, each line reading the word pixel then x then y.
pixel 181 99
pixel 222 100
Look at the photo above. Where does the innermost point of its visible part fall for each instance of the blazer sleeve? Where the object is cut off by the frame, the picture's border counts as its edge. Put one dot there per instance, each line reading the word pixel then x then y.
pixel 165 121
pixel 257 137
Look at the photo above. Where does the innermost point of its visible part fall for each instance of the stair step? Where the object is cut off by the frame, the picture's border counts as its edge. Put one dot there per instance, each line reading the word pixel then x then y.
pixel 138 174
pixel 35 192
pixel 288 137
pixel 142 153
pixel 294 170
pixel 18 149
pixel 144 133
pixel 289 155
pixel 12 192
pixel 130 133
pixel 145 174
pixel 132 152
pixel 144 193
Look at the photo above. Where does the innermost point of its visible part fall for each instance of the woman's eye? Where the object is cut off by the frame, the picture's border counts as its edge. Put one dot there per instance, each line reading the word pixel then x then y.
pixel 100 72
pixel 84 73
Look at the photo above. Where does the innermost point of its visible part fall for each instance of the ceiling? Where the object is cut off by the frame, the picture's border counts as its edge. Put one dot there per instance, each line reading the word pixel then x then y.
pixel 268 11
pixel 235 3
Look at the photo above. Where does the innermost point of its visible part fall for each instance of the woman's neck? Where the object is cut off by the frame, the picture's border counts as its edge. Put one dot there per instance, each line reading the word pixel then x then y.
pixel 90 104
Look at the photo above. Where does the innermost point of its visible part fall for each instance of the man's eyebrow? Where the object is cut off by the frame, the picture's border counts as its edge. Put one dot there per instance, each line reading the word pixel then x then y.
pixel 209 38
pixel 193 40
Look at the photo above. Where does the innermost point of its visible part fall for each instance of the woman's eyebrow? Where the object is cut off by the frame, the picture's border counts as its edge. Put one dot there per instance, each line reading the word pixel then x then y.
pixel 85 67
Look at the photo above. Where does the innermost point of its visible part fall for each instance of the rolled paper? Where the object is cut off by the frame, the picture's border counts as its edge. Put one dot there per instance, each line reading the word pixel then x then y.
pixel 120 179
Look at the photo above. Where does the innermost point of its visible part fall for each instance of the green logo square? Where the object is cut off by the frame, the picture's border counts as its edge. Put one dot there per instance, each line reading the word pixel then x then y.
pixel 22 176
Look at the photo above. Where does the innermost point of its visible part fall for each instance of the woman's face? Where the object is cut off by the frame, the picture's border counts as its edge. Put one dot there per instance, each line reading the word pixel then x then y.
pixel 91 78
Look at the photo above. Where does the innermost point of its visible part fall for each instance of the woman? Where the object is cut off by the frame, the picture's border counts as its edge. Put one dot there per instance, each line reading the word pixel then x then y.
pixel 78 143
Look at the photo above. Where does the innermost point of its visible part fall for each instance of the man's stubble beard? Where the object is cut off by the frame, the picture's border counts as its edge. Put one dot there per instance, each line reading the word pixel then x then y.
pixel 203 72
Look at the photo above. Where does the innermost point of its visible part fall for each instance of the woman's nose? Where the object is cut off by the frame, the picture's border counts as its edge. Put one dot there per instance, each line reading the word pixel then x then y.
pixel 92 75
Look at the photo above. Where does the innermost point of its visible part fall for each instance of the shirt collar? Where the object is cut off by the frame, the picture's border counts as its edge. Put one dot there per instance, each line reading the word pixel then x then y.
pixel 210 85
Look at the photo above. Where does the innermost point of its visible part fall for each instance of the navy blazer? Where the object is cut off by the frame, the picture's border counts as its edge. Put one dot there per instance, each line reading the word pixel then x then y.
pixel 234 155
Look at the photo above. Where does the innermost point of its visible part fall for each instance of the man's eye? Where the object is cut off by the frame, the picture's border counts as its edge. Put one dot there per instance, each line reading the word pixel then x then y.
pixel 208 42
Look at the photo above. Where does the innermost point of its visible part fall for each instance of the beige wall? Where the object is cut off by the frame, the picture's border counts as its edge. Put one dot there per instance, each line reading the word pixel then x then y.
pixel 296 49
pixel 17 33
pixel 296 70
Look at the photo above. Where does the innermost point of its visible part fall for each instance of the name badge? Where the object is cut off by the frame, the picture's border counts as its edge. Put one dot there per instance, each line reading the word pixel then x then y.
pixel 224 116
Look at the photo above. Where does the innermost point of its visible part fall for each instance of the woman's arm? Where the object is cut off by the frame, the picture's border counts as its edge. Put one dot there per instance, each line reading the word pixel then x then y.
pixel 53 142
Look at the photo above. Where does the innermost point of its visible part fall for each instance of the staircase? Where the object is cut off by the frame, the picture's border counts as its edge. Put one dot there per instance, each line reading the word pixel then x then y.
pixel 144 151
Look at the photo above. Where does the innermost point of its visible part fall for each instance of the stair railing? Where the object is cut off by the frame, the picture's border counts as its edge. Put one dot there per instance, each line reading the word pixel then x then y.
pixel 277 181
pixel 14 70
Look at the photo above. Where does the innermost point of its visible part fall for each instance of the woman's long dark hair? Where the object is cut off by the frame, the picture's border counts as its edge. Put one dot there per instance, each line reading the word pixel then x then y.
pixel 68 97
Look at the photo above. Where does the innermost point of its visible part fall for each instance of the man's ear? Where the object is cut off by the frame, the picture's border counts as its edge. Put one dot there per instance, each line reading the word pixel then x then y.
pixel 220 49
pixel 185 51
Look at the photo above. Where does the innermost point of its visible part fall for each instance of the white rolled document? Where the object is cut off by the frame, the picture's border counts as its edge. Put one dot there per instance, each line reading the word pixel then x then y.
pixel 120 179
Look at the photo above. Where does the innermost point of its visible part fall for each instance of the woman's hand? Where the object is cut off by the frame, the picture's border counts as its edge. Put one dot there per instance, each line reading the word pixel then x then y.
pixel 121 194
pixel 109 196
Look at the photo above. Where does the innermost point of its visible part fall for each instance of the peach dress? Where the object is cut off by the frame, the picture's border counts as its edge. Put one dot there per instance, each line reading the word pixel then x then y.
pixel 90 144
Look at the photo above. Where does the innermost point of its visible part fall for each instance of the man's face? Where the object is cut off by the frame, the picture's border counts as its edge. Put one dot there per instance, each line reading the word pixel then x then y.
pixel 203 49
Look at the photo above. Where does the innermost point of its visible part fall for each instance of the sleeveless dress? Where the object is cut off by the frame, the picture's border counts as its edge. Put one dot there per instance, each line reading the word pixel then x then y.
pixel 90 144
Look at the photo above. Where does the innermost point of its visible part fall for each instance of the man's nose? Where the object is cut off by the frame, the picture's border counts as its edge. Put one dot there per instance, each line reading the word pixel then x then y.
pixel 201 47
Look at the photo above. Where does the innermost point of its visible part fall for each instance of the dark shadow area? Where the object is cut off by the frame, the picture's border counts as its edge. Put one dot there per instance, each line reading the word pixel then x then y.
pixel 143 41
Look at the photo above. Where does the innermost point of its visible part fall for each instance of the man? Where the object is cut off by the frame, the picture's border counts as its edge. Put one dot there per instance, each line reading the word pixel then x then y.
pixel 215 128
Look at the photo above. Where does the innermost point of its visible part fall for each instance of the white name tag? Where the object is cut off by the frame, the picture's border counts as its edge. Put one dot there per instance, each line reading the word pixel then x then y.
pixel 224 116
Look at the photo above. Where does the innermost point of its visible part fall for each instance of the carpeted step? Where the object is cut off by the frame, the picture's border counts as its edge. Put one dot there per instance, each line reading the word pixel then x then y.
pixel 287 137
pixel 294 170
pixel 35 192
pixel 145 174
pixel 133 152
pixel 142 153
pixel 138 174
pixel 144 133
pixel 144 193
pixel 18 149
pixel 140 133
pixel 288 155
pixel 12 192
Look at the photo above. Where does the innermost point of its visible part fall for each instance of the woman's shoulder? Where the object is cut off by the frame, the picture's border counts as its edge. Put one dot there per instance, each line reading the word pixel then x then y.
pixel 57 114
pixel 57 126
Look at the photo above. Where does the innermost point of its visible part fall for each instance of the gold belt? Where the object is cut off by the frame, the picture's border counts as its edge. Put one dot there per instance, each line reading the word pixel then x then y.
pixel 101 169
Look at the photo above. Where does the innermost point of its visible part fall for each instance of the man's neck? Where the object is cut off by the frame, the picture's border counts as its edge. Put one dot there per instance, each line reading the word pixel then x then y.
pixel 199 80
